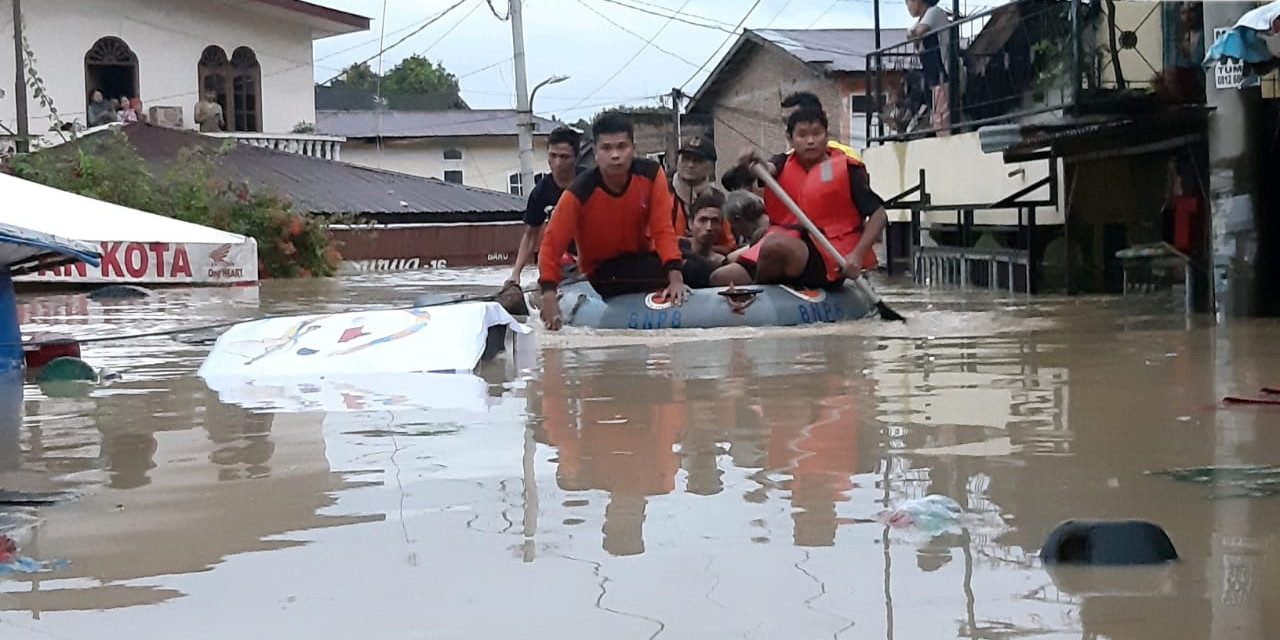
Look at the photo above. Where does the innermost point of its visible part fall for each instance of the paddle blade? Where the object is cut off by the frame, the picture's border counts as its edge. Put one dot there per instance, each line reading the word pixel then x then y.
pixel 887 314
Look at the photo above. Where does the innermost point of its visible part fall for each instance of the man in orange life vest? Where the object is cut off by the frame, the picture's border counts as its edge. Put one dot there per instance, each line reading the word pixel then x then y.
pixel 833 189
pixel 619 214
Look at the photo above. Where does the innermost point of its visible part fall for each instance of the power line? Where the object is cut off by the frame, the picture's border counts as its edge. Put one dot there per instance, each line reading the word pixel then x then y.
pixel 434 19
pixel 823 14
pixel 450 30
pixel 722 44
pixel 483 69
pixel 629 60
pixel 648 41
pixel 777 15
pixel 677 17
pixel 495 11
pixel 686 13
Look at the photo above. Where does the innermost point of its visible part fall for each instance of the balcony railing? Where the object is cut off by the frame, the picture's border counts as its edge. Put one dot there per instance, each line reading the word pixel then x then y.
pixel 1016 61
pixel 303 144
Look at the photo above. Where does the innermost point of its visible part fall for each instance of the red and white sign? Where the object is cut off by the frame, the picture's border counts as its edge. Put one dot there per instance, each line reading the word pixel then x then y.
pixel 162 263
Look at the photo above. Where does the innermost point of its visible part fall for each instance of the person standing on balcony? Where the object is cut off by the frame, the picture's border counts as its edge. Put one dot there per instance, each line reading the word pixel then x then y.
pixel 935 57
pixel 208 114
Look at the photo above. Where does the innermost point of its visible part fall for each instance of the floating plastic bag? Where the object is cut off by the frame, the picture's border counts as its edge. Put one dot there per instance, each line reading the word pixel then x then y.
pixel 931 513
pixel 11 562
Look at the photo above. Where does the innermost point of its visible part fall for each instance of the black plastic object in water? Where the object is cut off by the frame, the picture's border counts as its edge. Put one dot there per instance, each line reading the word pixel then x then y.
pixel 1108 542
pixel 119 292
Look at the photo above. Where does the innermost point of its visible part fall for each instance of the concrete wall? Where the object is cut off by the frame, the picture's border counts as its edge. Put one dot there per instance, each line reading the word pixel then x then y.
pixel 748 110
pixel 487 162
pixel 957 172
pixel 168 38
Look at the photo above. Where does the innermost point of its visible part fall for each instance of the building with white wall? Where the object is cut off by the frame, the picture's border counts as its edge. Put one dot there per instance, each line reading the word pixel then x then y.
pixel 475 147
pixel 256 54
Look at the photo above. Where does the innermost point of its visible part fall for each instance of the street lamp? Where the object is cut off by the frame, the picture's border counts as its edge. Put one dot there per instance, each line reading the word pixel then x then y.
pixel 524 130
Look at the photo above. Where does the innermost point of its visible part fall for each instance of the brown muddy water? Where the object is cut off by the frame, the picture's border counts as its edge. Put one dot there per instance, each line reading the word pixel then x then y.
pixel 681 485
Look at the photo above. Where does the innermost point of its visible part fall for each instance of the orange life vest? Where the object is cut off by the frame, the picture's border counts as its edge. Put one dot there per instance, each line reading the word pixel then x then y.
pixel 823 194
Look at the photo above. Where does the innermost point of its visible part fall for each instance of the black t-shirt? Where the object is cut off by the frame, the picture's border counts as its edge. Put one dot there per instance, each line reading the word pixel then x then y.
pixel 864 198
pixel 542 200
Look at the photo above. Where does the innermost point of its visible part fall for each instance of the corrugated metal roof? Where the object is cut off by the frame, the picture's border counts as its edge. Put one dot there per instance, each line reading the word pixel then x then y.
pixel 324 186
pixel 834 50
pixel 842 50
pixel 425 124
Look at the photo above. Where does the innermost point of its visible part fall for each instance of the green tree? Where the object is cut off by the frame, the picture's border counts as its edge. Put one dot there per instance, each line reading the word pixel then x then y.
pixel 415 84
pixel 419 76
pixel 357 76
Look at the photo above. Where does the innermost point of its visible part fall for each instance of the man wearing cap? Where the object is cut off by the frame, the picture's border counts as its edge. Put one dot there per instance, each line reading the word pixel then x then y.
pixel 692 178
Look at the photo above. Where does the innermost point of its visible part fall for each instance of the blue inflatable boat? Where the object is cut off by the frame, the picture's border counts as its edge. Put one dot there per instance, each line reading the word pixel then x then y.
pixel 745 306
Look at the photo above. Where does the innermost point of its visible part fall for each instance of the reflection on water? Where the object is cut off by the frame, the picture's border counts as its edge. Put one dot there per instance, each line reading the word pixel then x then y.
pixel 716 484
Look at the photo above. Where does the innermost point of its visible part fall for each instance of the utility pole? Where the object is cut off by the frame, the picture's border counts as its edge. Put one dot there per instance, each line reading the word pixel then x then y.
pixel 524 110
pixel 1233 176
pixel 674 159
pixel 20 81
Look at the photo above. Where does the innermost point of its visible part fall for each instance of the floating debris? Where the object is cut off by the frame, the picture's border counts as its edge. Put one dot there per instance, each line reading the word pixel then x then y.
pixel 11 562
pixel 1239 481
pixel 931 513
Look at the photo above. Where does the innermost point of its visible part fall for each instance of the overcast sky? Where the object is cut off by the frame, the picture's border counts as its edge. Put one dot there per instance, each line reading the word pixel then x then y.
pixel 575 38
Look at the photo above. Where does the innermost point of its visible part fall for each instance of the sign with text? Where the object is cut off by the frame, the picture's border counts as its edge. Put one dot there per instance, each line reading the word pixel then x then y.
pixel 1227 74
pixel 161 263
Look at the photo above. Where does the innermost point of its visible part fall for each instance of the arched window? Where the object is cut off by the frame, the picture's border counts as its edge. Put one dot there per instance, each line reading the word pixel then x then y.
pixel 237 83
pixel 246 90
pixel 452 154
pixel 213 71
pixel 111 67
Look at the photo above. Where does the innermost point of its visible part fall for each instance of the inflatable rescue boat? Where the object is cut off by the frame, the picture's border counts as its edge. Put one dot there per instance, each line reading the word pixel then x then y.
pixel 743 306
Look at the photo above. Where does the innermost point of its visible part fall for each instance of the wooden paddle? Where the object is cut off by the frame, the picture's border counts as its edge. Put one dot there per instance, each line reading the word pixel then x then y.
pixel 886 313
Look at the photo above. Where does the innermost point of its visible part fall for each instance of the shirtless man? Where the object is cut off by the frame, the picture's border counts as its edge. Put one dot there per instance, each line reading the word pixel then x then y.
pixel 699 247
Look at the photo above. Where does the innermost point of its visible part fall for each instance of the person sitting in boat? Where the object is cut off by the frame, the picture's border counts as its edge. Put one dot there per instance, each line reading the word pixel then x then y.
pixel 744 211
pixel 739 178
pixel 619 214
pixel 562 158
pixel 694 166
pixel 699 248
pixel 831 187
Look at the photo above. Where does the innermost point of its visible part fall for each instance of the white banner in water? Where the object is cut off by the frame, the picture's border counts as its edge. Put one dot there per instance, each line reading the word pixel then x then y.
pixel 342 393
pixel 162 263
pixel 442 338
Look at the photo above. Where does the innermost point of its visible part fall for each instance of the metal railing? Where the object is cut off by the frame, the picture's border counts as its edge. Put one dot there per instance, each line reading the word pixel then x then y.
pixel 1007 63
pixel 957 266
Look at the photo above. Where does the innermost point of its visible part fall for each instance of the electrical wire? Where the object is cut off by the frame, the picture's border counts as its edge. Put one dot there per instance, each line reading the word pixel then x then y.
pixel 823 14
pixel 629 60
pixel 722 44
pixel 677 17
pixel 648 41
pixel 495 10
pixel 382 50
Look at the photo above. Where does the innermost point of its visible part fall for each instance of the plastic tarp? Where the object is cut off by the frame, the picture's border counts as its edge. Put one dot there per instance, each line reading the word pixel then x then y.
pixel 356 361
pixel 1244 41
pixel 136 246
pixel 21 247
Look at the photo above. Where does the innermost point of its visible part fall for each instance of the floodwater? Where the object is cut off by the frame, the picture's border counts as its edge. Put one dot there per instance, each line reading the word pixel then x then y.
pixel 681 485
